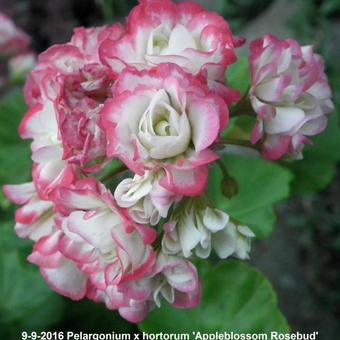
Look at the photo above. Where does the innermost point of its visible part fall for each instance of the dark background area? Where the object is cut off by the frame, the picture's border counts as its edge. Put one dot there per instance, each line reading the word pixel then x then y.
pixel 302 257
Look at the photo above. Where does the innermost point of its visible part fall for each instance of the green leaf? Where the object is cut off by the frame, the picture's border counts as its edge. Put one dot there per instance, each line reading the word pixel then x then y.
pixel 238 75
pixel 26 303
pixel 87 316
pixel 14 153
pixel 236 298
pixel 12 109
pixel 9 240
pixel 261 185
pixel 15 163
pixel 317 169
pixel 240 128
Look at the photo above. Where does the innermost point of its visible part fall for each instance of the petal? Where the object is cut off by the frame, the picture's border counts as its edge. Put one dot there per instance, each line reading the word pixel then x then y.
pixel 224 241
pixel 276 146
pixel 39 120
pixel 35 231
pixel 66 280
pixel 179 40
pixel 21 193
pixel 136 313
pixel 215 219
pixel 186 182
pixel 285 120
pixel 205 123
pixel 95 230
pixel 32 211
pixel 188 235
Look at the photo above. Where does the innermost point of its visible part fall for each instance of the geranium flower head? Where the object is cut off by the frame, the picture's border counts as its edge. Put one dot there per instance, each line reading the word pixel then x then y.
pixel 157 120
pixel 289 93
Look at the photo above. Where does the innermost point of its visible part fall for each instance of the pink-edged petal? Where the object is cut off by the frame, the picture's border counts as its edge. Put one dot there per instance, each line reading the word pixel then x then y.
pixel 186 182
pixel 272 90
pixel 257 133
pixel 95 230
pixel 275 147
pixel 32 211
pixel 82 199
pixel 39 120
pixel 204 114
pixel 66 280
pixel 188 300
pixel 76 251
pixel 286 118
pixel 35 231
pixel 20 193
pixel 135 313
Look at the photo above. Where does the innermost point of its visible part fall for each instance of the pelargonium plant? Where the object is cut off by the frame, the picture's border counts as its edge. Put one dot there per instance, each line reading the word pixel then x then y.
pixel 126 121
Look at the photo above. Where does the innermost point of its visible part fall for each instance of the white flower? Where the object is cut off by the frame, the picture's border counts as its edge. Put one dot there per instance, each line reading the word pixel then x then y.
pixel 200 230
pixel 234 240
pixel 146 199
pixel 176 281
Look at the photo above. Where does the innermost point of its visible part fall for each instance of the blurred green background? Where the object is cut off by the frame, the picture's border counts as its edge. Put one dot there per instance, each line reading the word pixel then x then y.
pixel 301 257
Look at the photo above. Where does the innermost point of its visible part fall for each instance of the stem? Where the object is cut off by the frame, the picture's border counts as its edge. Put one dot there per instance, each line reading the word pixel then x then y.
pixel 229 185
pixel 107 9
pixel 114 173
pixel 223 168
pixel 239 142
pixel 243 107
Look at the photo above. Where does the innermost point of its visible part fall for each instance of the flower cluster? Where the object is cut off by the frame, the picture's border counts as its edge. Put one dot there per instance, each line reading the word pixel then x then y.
pixel 125 122
pixel 289 93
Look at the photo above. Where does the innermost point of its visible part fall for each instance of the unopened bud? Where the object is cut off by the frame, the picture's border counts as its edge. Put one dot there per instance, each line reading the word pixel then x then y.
pixel 229 187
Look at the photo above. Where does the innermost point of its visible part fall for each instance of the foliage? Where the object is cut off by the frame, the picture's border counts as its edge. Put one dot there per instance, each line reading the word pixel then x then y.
pixel 312 175
pixel 13 150
pixel 238 75
pixel 239 13
pixel 115 9
pixel 253 205
pixel 20 308
pixel 236 298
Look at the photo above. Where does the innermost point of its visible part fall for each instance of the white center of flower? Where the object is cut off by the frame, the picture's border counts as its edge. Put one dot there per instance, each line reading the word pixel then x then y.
pixel 109 256
pixel 162 130
pixel 164 40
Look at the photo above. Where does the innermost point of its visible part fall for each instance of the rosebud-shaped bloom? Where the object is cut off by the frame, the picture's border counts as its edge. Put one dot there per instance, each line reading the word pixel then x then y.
pixel 193 229
pixel 36 218
pixel 289 93
pixel 12 39
pixel 132 299
pixel 146 199
pixel 100 238
pixel 66 92
pixel 176 281
pixel 186 34
pixel 158 119
pixel 60 273
pixel 40 124
pixel 173 279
